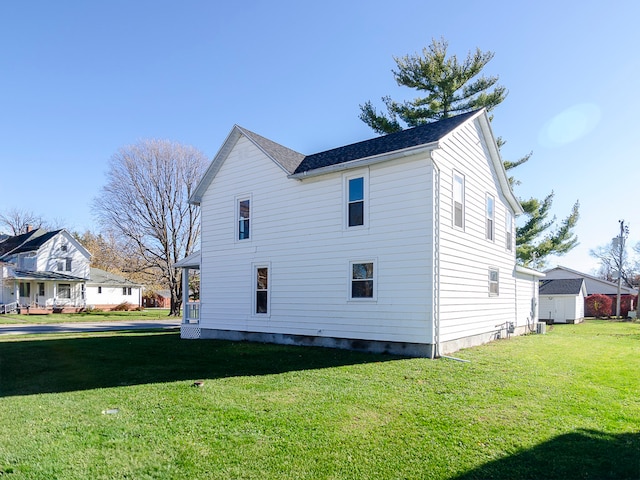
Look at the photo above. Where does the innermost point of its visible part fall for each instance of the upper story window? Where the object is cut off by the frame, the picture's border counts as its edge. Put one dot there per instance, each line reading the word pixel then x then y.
pixel 491 207
pixel 458 200
pixel 63 248
pixel 356 200
pixel 67 264
pixel 243 216
pixel 508 231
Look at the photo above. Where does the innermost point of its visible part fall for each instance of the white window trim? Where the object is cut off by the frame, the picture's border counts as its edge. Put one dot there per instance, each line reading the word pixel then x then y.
pixel 254 288
pixel 493 218
pixel 497 282
pixel 364 174
pixel 236 208
pixel 453 199
pixel 374 297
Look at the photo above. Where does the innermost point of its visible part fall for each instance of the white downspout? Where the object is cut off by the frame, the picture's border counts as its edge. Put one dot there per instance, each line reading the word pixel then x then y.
pixel 435 327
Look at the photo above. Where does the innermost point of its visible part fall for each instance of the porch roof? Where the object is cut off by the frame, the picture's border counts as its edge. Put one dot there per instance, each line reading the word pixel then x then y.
pixel 54 276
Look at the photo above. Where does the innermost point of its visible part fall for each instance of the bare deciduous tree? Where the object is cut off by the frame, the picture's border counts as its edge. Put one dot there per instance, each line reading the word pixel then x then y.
pixel 609 256
pixel 145 201
pixel 17 221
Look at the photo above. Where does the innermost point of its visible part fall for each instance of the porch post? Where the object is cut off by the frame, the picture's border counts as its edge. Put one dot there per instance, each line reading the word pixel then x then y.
pixel 185 295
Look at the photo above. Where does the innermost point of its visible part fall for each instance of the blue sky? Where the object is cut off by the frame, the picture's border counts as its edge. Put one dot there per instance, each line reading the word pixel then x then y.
pixel 80 79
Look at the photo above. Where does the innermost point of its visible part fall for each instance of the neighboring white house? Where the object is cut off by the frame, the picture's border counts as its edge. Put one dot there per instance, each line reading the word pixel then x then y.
pixel 404 243
pixel 41 269
pixel 106 290
pixel 562 300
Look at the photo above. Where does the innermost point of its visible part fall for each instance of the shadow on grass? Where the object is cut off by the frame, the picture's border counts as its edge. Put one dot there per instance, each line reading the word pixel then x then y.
pixel 57 365
pixel 584 454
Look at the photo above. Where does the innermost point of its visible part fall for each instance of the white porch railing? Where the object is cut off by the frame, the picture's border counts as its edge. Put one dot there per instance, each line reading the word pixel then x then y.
pixel 190 327
pixel 9 307
pixel 191 312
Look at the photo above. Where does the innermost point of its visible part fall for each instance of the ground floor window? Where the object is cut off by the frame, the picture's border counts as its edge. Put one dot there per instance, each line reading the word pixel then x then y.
pixel 126 290
pixel 362 280
pixel 25 289
pixel 41 289
pixel 261 275
pixel 494 282
pixel 64 290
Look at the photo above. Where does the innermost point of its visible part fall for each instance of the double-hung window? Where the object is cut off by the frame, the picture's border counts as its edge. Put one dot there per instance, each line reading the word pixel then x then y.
pixel 64 290
pixel 355 193
pixel 491 207
pixel 362 280
pixel 261 290
pixel 494 282
pixel 458 200
pixel 243 216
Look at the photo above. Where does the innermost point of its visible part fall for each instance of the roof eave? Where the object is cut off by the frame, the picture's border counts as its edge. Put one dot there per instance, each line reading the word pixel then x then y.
pixel 494 151
pixel 530 271
pixel 366 161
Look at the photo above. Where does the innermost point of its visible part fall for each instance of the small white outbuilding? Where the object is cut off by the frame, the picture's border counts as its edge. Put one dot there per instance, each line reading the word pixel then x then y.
pixel 562 300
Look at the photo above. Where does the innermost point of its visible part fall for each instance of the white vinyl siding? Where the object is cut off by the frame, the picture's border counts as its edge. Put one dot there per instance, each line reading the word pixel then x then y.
pixel 104 296
pixel 309 294
pixel 466 309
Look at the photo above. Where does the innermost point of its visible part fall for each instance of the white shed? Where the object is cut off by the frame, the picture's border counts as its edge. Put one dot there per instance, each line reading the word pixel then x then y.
pixel 562 300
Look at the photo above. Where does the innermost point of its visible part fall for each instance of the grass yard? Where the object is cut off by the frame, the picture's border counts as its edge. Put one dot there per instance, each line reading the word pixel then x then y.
pixel 94 316
pixel 565 405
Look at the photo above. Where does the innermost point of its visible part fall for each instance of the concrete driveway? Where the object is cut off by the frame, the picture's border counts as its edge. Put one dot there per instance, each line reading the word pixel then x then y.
pixel 21 329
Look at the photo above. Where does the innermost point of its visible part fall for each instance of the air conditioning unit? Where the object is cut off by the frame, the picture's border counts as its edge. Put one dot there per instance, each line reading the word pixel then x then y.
pixel 541 327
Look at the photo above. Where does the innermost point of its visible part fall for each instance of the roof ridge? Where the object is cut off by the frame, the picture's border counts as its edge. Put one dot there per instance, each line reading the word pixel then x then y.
pixel 404 139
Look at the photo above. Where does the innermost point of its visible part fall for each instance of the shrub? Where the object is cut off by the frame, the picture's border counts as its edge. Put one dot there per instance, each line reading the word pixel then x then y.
pixel 122 307
pixel 598 305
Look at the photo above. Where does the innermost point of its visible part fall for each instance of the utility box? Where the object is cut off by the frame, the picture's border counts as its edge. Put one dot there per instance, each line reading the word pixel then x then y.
pixel 541 328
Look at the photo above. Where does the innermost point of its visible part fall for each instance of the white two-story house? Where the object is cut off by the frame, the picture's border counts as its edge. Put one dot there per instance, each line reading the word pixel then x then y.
pixel 42 269
pixel 404 243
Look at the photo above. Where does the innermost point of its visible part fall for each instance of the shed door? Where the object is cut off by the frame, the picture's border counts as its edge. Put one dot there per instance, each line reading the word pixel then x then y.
pixel 560 310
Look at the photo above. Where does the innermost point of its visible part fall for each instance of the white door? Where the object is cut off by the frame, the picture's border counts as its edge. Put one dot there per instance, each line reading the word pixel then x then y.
pixel 559 314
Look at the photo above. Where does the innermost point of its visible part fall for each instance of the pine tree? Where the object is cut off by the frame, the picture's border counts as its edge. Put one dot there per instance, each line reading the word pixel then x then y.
pixel 451 88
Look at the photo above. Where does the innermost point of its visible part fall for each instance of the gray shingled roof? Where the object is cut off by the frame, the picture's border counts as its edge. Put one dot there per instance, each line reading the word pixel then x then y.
pixel 25 242
pixel 102 277
pixel 30 275
pixel 563 286
pixel 411 137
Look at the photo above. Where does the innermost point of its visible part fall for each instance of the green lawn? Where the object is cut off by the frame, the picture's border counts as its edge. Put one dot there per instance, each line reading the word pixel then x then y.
pixel 94 316
pixel 564 405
